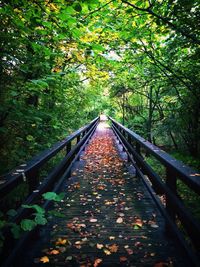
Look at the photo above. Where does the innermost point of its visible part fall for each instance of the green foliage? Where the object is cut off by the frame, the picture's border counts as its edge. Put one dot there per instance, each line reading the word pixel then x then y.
pixel 53 196
pixel 63 64
pixel 27 225
pixel 37 217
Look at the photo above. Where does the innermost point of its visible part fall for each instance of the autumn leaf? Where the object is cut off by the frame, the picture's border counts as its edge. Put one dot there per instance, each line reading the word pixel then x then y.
pixel 93 220
pixel 100 187
pixel 113 248
pixel 123 259
pixel 54 252
pixel 97 262
pixel 69 258
pixel 137 223
pixel 107 252
pixel 161 264
pixel 129 251
pixel 44 259
pixel 100 246
pixel 61 241
pixel 119 220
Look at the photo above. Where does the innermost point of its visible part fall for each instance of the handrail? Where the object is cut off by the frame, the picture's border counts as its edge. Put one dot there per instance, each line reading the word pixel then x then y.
pixel 175 170
pixel 187 174
pixel 27 172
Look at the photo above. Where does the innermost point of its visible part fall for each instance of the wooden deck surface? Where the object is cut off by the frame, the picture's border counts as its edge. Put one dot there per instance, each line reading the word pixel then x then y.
pixel 109 218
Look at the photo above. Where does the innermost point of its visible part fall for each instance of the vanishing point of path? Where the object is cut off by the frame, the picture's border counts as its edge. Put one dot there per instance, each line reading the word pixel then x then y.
pixel 108 217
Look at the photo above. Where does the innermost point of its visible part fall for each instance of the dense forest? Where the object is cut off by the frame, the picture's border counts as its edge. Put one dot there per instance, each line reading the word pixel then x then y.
pixel 63 62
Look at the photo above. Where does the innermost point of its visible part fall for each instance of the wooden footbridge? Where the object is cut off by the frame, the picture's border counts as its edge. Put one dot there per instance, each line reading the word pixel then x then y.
pixel 115 211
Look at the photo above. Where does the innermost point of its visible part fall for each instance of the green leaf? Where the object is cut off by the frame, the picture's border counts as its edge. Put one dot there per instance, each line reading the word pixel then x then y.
pixel 77 7
pixel 98 47
pixel 40 219
pixel 2 224
pixel 53 196
pixel 36 207
pixel 16 231
pixel 27 225
pixel 11 213
pixel 29 138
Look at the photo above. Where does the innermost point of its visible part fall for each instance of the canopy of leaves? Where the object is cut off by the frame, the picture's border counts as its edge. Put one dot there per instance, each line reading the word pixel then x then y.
pixel 64 62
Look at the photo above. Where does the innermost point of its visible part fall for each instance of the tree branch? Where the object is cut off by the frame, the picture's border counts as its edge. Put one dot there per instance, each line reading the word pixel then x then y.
pixel 166 21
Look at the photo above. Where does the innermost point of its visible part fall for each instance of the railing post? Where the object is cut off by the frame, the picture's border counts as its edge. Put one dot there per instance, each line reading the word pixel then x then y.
pixel 138 148
pixel 171 182
pixel 32 180
pixel 68 147
pixel 130 143
pixel 78 139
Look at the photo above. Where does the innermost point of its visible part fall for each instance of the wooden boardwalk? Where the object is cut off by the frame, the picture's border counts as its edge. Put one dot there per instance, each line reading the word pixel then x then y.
pixel 109 218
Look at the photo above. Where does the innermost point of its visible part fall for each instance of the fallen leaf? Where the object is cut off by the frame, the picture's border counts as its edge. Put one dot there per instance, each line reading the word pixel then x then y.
pixel 138 222
pixel 119 220
pixel 61 241
pixel 93 220
pixel 54 252
pixel 107 252
pixel 113 248
pixel 97 262
pixel 129 251
pixel 101 187
pixel 100 246
pixel 44 259
pixel 69 258
pixel 123 259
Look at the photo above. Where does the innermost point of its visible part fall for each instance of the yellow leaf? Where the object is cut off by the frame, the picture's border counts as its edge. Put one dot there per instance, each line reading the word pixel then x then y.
pixel 107 252
pixel 61 241
pixel 100 246
pixel 44 259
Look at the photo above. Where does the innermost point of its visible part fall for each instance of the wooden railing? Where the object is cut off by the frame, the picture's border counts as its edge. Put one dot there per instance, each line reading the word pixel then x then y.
pixel 28 174
pixel 176 213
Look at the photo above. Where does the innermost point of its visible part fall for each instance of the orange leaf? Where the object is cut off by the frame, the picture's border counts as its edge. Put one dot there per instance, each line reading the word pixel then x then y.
pixel 123 259
pixel 61 241
pixel 54 252
pixel 44 259
pixel 97 261
pixel 113 248
pixel 138 222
